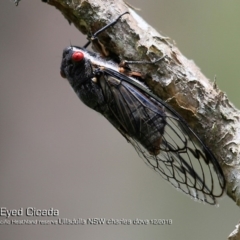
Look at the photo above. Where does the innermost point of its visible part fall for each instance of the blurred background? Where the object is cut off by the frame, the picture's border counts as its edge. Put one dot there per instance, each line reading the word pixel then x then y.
pixel 57 153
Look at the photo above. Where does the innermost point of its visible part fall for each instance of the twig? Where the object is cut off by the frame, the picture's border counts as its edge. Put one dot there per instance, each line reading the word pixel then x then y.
pixel 16 2
pixel 176 80
pixel 235 234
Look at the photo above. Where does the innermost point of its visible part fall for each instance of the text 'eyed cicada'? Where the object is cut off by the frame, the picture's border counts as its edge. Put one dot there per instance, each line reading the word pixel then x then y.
pixel 157 132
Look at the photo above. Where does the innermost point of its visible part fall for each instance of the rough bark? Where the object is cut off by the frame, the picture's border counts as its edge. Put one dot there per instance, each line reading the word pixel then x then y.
pixel 235 234
pixel 176 80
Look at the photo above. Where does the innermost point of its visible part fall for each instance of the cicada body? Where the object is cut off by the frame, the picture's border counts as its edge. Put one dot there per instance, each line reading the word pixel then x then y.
pixel 157 132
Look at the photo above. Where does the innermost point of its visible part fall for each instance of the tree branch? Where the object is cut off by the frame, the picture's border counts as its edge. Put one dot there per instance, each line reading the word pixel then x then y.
pixel 176 80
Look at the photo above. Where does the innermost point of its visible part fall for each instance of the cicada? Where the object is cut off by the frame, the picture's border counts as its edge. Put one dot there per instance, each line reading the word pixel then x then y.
pixel 158 133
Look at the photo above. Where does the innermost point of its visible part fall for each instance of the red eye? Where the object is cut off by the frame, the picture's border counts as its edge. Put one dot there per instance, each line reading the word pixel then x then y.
pixel 77 56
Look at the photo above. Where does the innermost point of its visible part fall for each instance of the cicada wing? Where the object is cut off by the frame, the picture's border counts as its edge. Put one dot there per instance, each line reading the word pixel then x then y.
pixel 181 158
pixel 185 164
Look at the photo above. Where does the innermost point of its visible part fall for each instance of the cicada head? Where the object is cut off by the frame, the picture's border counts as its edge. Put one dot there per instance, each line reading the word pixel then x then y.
pixel 75 67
